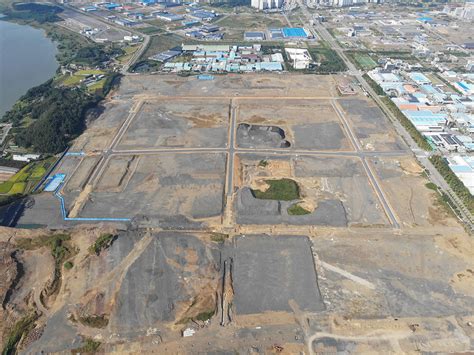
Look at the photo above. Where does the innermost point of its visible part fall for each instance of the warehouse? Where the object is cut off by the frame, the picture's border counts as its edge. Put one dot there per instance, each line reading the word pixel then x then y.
pixel 254 36
pixel 463 167
pixel 426 121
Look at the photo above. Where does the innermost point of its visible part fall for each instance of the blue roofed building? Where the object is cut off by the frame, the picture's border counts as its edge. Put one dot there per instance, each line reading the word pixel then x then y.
pixel 294 32
pixel 426 121
pixel 463 167
pixel 419 78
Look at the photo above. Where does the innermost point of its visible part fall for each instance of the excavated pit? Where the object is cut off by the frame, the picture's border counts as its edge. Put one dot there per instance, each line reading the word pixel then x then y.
pixel 259 136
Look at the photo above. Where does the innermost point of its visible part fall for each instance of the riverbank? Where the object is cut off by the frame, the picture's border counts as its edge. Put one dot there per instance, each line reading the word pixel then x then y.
pixel 28 59
pixel 50 115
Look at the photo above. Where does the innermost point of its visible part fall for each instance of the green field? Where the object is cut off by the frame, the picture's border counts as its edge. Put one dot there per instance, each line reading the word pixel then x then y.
pixel 75 79
pixel 27 178
pixel 129 50
pixel 17 188
pixel 98 85
pixel 149 30
pixel 162 43
pixel 365 61
pixel 362 60
pixel 252 21
pixel 329 60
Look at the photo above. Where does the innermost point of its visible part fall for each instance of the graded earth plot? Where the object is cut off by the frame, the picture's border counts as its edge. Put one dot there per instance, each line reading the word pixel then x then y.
pixel 101 131
pixel 166 188
pixel 407 190
pixel 178 123
pixel 230 85
pixel 370 125
pixel 285 123
pixel 78 176
pixel 330 191
pixel 423 275
pixel 143 285
pixel 274 273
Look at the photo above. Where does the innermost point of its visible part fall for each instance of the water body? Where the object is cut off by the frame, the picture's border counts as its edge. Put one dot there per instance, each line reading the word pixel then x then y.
pixel 27 59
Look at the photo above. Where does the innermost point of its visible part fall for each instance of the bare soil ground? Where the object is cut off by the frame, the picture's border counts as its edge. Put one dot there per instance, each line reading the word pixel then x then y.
pixel 340 278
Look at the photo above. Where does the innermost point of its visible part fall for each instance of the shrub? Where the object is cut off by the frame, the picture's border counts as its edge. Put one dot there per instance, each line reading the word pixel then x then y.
pixel 103 242
pixel 219 237
pixel 90 346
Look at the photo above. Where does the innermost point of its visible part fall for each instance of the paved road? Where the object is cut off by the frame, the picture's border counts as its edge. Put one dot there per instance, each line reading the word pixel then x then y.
pixel 421 155
pixel 136 55
pixel 280 151
pixel 372 177
pixel 231 147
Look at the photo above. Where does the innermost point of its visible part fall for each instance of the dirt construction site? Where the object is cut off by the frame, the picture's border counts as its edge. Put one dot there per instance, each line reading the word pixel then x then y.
pixel 248 214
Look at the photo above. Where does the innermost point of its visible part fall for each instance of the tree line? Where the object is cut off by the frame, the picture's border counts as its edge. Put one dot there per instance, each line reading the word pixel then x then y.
pixel 58 115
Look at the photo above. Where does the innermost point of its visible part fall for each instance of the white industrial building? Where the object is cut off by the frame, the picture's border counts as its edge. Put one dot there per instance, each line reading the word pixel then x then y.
pixel 462 166
pixel 266 4
pixel 299 56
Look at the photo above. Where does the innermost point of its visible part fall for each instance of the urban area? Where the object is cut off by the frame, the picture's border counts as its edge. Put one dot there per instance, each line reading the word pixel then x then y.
pixel 242 176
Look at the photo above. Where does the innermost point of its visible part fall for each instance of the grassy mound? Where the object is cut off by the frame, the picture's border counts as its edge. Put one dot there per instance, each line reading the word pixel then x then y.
pixel 283 190
pixel 297 210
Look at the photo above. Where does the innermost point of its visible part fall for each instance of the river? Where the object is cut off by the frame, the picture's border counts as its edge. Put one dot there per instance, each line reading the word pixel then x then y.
pixel 27 59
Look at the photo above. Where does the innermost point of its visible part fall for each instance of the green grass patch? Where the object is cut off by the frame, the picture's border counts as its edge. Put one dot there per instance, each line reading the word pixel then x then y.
pixel 149 30
pixel 297 210
pixel 283 189
pixel 362 60
pixel 204 316
pixel 97 86
pixel 90 346
pixel 42 241
pixel 68 265
pixel 432 186
pixel 24 180
pixel 102 243
pixel 37 172
pixel 77 77
pixel 365 61
pixel 329 60
pixel 129 50
pixel 71 80
pixel 22 175
pixel 163 42
pixel 85 72
pixel 252 21
pixel 5 187
pixel 262 163
pixel 18 188
pixel 20 329
pixel 94 321
pixel 219 237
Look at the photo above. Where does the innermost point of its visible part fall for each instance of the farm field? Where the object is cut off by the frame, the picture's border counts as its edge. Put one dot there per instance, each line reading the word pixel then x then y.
pixel 27 178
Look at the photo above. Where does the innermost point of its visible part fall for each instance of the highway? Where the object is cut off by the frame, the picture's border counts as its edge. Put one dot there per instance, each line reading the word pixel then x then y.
pixel 421 155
